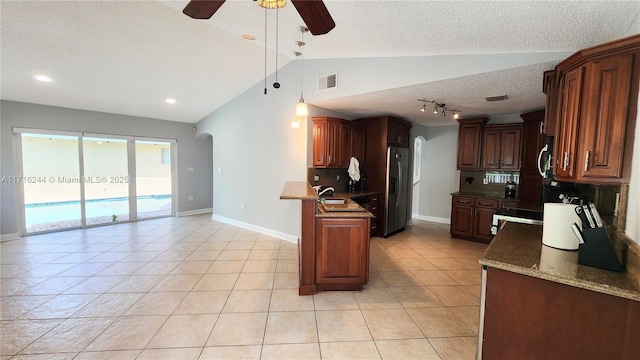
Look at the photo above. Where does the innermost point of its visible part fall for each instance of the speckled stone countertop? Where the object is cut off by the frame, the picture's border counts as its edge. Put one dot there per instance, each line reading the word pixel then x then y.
pixel 303 191
pixel 518 248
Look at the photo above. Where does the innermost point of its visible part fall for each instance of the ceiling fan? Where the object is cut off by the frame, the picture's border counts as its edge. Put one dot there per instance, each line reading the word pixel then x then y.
pixel 313 12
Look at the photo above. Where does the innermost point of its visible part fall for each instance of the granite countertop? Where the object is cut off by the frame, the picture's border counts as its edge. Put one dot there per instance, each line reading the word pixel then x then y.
pixel 299 190
pixel 518 248
pixel 483 195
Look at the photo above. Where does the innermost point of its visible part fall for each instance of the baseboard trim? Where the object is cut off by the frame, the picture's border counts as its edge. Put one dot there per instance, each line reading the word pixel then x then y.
pixel 273 233
pixel 432 219
pixel 9 237
pixel 195 212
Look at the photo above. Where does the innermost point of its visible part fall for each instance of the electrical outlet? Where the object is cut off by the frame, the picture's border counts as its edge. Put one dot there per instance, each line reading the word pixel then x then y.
pixel 219 170
pixel 316 178
pixel 337 177
pixel 242 206
pixel 485 181
pixel 190 197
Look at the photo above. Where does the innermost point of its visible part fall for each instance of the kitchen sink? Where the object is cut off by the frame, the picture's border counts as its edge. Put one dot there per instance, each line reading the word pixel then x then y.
pixel 334 201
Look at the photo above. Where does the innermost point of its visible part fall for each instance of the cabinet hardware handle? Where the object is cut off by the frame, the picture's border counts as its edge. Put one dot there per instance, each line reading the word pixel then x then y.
pixel 565 163
pixel 586 161
pixel 329 158
pixel 541 127
pixel 399 138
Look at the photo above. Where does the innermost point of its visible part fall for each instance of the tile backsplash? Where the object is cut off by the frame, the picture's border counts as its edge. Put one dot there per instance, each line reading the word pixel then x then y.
pixel 336 178
pixel 474 182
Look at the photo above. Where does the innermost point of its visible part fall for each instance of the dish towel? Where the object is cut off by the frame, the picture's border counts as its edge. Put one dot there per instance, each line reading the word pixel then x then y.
pixel 354 169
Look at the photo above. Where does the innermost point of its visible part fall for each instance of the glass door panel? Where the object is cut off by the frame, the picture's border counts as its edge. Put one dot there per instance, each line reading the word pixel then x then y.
pixel 153 178
pixel 51 182
pixel 106 180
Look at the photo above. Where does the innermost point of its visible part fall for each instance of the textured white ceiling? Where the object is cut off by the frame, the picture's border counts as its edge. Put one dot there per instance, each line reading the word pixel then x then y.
pixel 126 57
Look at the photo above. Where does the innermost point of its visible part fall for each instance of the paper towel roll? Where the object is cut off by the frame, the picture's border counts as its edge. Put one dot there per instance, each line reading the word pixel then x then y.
pixel 556 227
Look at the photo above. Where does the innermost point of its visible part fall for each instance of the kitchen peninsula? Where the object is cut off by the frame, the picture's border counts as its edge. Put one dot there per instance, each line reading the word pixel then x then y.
pixel 537 302
pixel 333 246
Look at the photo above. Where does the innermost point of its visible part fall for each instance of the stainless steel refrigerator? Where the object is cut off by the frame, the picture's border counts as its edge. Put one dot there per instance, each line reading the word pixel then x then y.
pixel 397 186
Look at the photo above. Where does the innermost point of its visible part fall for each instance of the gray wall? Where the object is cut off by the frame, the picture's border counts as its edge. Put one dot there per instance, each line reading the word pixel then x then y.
pixel 438 176
pixel 191 152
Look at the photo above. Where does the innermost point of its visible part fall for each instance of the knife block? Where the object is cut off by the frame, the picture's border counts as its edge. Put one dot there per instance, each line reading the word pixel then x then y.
pixel 597 250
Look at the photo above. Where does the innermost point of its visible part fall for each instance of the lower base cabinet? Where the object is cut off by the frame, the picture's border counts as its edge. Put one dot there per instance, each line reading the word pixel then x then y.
pixel 342 253
pixel 530 318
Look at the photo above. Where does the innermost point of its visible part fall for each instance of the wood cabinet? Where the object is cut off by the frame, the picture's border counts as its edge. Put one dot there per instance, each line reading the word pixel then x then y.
pixel 530 318
pixel 379 133
pixel 550 89
pixel 342 253
pixel 335 141
pixel 351 143
pixel 373 209
pixel 398 133
pixel 597 109
pixel 472 216
pixel 469 139
pixel 501 147
pixel 530 188
pixel 326 142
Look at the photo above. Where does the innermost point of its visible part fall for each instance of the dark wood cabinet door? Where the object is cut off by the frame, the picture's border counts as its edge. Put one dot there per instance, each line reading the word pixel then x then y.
pixel 482 220
pixel 550 88
pixel 358 145
pixel 532 141
pixel 342 250
pixel 565 141
pixel 393 133
pixel 346 143
pixel 462 216
pixel 491 140
pixel 319 143
pixel 469 134
pixel 333 143
pixel 604 123
pixel 510 141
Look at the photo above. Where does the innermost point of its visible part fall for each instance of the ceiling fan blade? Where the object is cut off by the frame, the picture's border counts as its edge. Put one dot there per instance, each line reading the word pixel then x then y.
pixel 202 9
pixel 315 15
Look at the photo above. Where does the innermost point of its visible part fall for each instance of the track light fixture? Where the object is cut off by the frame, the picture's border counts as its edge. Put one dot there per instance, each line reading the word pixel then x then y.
pixel 438 107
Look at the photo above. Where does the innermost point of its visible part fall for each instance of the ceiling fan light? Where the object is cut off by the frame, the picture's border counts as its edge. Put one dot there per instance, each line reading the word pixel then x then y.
pixel 456 115
pixel 271 4
pixel 301 108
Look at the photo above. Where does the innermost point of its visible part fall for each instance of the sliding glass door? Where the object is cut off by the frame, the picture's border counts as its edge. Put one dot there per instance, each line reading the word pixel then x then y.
pixel 75 180
pixel 153 178
pixel 51 182
pixel 106 180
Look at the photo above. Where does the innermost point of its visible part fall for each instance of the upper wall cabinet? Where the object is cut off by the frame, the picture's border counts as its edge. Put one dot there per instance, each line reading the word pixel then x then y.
pixel 335 141
pixel 501 147
pixel 398 133
pixel 597 94
pixel 325 142
pixel 469 138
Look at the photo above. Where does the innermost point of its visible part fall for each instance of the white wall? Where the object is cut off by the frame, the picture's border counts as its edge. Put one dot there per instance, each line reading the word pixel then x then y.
pixel 439 173
pixel 191 152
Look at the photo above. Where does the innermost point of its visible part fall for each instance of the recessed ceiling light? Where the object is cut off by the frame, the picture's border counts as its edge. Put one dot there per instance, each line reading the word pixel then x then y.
pixel 249 37
pixel 170 101
pixel 43 78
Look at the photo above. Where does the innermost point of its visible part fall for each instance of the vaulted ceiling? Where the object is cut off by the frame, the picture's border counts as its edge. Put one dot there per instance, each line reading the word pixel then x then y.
pixel 127 57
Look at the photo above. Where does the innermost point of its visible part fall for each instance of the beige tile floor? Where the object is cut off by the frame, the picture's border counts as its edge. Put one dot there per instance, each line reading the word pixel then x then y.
pixel 193 288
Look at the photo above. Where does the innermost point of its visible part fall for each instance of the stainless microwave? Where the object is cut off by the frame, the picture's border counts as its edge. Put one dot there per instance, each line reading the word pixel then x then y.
pixel 545 159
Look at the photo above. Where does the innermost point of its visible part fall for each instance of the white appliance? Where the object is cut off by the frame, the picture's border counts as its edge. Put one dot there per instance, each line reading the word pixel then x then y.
pixel 556 227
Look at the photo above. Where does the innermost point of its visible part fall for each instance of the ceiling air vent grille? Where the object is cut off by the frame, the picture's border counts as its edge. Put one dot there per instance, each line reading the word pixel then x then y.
pixel 496 98
pixel 327 82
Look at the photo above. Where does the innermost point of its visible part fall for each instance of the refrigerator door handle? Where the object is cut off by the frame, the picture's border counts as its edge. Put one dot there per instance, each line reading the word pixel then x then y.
pixel 399 185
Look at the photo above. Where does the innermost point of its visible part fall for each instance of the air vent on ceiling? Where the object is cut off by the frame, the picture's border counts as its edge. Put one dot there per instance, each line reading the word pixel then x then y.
pixel 327 82
pixel 496 98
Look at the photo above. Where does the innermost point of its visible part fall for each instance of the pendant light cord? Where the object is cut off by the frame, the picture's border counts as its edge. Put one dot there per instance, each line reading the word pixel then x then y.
pixel 277 21
pixel 265 51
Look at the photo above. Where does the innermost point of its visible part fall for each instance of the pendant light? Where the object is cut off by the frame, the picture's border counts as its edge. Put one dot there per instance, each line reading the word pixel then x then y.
pixel 301 108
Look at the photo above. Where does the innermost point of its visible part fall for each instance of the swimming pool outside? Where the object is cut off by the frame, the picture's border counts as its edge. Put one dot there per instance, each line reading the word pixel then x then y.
pixel 98 211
